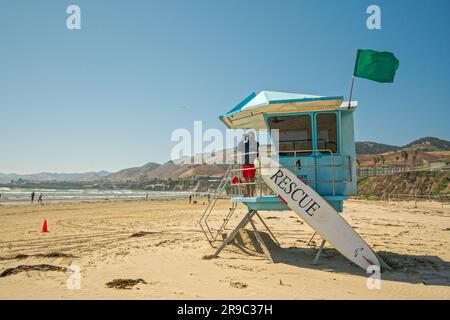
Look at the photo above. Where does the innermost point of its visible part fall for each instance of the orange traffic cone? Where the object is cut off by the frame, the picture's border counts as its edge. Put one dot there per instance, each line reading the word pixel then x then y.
pixel 44 227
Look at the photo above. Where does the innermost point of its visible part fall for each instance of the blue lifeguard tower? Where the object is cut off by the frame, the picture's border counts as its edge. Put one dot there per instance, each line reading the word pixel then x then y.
pixel 316 142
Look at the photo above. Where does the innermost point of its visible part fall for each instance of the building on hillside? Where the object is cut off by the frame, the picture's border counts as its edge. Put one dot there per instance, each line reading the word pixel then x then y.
pixel 438 165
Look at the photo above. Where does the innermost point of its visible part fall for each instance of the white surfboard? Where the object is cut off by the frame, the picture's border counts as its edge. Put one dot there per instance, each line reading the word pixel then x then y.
pixel 317 212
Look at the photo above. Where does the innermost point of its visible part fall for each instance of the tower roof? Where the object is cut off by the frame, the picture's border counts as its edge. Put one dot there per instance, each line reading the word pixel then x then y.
pixel 249 113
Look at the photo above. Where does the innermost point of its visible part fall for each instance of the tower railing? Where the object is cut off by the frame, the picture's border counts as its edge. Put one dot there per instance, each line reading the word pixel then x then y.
pixel 203 222
pixel 233 185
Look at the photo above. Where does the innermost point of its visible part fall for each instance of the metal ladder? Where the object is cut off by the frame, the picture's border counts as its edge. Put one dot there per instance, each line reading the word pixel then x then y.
pixel 210 235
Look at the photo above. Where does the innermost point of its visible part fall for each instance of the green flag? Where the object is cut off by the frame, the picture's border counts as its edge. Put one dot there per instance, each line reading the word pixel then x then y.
pixel 376 66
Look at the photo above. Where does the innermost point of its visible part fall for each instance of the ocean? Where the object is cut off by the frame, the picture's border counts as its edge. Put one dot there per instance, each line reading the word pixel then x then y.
pixel 23 195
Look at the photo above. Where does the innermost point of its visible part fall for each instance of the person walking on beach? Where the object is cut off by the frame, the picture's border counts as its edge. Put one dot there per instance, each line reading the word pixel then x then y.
pixel 40 198
pixel 190 198
pixel 32 197
pixel 248 149
pixel 209 198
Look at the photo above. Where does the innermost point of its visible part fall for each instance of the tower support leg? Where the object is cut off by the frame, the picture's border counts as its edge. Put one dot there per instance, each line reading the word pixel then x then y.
pixel 248 218
pixel 233 234
pixel 261 242
pixel 267 228
pixel 319 252
pixel 314 234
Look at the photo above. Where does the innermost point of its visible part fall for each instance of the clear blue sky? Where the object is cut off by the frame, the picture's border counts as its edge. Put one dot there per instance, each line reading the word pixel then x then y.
pixel 109 95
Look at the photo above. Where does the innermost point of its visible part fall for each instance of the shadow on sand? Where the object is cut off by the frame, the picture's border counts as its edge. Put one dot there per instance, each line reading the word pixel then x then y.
pixel 426 270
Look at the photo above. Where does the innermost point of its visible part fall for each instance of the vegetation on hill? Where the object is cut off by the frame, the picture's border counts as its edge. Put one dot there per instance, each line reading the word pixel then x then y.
pixel 400 158
pixel 424 182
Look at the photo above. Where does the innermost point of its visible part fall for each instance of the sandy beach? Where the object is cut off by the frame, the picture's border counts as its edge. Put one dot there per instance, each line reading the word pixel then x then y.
pixel 159 244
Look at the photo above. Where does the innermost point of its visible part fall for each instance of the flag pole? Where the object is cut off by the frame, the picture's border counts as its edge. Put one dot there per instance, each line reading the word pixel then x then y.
pixel 351 93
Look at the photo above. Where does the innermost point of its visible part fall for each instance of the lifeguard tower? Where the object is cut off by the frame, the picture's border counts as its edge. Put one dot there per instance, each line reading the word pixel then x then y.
pixel 316 144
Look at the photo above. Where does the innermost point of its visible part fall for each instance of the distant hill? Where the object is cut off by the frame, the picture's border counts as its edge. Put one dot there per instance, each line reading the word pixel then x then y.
pixel 49 176
pixel 429 148
pixel 429 144
pixel 168 170
pixel 422 144
pixel 367 147
pixel 133 174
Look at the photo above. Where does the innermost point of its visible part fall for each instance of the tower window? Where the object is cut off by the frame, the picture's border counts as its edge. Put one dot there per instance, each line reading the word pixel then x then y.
pixel 327 132
pixel 294 134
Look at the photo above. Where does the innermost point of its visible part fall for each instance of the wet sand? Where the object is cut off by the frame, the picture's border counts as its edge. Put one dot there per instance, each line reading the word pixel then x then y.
pixel 155 249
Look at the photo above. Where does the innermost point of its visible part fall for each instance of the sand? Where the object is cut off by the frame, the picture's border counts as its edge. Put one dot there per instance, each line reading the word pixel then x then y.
pixel 154 250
